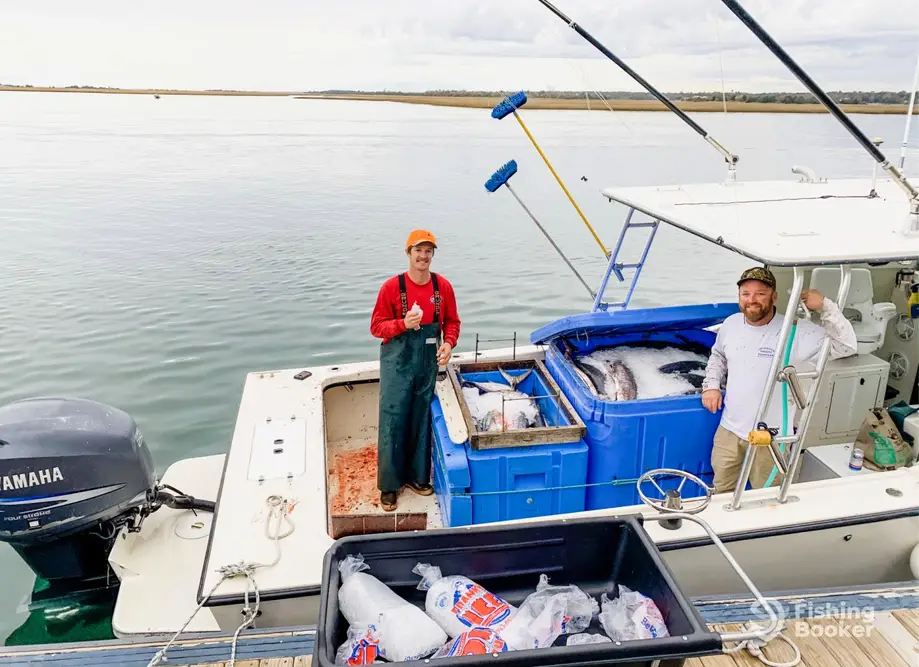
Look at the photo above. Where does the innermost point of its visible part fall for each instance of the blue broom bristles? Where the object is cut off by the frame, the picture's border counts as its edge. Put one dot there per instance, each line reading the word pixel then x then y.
pixel 509 104
pixel 502 176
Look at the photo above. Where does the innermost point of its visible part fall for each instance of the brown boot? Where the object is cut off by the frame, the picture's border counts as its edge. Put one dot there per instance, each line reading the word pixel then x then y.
pixel 421 489
pixel 388 500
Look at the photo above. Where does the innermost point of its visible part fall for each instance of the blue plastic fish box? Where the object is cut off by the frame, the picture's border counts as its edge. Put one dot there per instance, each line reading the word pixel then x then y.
pixel 563 425
pixel 544 477
pixel 629 437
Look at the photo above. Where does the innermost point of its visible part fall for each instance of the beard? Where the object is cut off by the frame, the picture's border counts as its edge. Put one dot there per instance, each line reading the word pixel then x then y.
pixel 755 313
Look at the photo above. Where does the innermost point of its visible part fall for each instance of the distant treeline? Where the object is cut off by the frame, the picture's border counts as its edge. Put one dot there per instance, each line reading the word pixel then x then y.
pixel 838 96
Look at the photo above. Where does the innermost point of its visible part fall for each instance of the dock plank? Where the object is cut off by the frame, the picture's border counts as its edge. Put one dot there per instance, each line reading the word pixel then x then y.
pixel 909 619
pixel 893 640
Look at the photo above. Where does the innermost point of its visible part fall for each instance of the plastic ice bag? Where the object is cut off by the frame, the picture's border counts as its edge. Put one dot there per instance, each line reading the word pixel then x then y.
pixel 548 613
pixel 407 633
pixel 478 641
pixel 584 638
pixel 401 630
pixel 361 647
pixel 458 604
pixel 580 608
pixel 631 616
pixel 362 596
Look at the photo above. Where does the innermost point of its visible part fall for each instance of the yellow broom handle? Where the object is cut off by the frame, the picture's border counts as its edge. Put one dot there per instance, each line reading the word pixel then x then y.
pixel 570 198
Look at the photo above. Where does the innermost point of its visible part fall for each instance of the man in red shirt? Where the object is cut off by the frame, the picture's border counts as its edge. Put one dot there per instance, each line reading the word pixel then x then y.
pixel 416 316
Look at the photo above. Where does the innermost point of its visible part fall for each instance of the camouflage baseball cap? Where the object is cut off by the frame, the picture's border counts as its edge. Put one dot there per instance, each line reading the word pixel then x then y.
pixel 759 273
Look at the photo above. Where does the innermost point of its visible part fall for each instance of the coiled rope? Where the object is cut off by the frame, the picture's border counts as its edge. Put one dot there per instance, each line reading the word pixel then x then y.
pixel 277 507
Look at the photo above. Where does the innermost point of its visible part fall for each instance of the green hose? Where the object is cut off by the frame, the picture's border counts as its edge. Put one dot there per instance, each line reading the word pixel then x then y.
pixel 791 340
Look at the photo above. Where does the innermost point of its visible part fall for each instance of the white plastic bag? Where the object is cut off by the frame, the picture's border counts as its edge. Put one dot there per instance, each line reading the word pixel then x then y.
pixel 584 638
pixel 407 633
pixel 631 616
pixel 548 613
pixel 400 629
pixel 478 641
pixel 361 596
pixel 459 604
pixel 361 647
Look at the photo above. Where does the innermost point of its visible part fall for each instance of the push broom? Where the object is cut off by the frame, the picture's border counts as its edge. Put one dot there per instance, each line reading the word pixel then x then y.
pixel 509 105
pixel 502 177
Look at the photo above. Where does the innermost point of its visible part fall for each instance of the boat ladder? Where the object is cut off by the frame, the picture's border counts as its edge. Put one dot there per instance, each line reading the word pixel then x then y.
pixel 763 437
pixel 617 267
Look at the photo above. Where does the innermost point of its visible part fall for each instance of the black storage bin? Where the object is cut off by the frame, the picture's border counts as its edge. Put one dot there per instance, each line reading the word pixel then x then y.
pixel 594 554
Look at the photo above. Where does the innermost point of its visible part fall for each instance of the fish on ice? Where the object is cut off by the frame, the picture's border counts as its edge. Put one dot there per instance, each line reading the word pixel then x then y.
pixel 501 407
pixel 632 372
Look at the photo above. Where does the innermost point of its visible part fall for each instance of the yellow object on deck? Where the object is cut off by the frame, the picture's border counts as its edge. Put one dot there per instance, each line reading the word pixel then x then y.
pixel 760 438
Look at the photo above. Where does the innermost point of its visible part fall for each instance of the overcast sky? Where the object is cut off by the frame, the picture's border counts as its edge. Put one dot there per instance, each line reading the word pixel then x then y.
pixel 472 44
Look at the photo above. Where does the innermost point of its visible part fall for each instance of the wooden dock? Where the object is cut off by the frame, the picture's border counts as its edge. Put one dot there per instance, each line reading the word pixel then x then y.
pixel 877 627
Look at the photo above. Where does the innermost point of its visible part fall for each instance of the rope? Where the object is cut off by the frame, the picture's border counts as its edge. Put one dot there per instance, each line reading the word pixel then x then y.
pixel 277 506
pixel 755 648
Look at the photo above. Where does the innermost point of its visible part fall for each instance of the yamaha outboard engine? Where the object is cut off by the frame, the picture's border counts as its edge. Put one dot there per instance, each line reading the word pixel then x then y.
pixel 72 473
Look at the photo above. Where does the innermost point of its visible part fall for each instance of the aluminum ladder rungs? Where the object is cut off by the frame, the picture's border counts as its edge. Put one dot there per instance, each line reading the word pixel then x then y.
pixel 616 268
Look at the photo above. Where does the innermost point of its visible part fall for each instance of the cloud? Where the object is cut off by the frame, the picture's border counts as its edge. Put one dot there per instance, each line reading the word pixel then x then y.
pixel 406 44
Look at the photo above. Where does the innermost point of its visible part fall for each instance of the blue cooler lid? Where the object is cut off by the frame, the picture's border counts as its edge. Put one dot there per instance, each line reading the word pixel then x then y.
pixel 636 320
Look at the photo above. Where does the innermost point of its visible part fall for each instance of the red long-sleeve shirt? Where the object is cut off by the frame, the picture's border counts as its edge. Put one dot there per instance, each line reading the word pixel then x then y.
pixel 387 323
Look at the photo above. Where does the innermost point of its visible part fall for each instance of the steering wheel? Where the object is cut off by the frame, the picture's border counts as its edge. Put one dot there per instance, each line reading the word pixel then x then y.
pixel 694 506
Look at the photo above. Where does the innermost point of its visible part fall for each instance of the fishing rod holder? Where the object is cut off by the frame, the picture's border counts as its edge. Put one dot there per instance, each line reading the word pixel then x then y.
pixel 789 375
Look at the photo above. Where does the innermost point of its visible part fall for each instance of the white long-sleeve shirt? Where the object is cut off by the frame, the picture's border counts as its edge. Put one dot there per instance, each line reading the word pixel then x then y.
pixel 742 355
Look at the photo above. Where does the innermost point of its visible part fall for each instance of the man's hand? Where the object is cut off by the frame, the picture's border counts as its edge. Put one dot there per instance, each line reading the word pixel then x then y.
pixel 812 300
pixel 443 354
pixel 412 320
pixel 711 399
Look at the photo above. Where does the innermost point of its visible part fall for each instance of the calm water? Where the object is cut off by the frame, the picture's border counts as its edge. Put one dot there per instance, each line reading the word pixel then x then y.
pixel 154 251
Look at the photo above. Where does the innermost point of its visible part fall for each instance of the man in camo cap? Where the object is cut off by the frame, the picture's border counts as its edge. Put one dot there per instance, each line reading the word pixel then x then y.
pixel 738 370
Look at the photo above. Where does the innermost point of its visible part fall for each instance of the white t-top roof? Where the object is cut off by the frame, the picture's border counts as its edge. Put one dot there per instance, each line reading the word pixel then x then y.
pixel 787 223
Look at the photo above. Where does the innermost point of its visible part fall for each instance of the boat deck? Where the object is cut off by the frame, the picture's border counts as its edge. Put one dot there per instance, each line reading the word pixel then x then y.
pixel 876 626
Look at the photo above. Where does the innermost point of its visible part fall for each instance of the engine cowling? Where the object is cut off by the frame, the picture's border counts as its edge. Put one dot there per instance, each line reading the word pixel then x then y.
pixel 72 471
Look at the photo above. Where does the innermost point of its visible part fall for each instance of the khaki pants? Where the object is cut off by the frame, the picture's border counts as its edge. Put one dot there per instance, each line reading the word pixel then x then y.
pixel 728 453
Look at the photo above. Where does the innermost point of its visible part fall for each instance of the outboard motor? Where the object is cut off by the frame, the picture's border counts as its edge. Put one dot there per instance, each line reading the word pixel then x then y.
pixel 72 473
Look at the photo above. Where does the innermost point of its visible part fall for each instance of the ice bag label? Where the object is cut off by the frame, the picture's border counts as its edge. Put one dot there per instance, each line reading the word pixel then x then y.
pixel 474 607
pixel 478 641
pixel 364 652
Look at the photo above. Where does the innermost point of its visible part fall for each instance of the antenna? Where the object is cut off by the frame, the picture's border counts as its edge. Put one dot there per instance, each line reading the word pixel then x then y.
pixel 810 84
pixel 909 114
pixel 729 157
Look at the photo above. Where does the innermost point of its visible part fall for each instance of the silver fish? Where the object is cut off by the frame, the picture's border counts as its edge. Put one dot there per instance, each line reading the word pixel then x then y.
pixel 623 382
pixel 508 418
pixel 493 420
pixel 596 377
pixel 514 380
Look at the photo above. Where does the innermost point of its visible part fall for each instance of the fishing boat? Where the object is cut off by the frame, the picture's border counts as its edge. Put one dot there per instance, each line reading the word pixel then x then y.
pixel 232 541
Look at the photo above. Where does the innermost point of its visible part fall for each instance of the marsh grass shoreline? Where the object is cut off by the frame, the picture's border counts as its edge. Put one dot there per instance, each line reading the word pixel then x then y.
pixel 486 102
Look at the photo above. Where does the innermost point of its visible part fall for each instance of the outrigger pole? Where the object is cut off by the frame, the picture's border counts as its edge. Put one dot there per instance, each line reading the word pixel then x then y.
pixel 729 157
pixel 831 106
pixel 502 177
